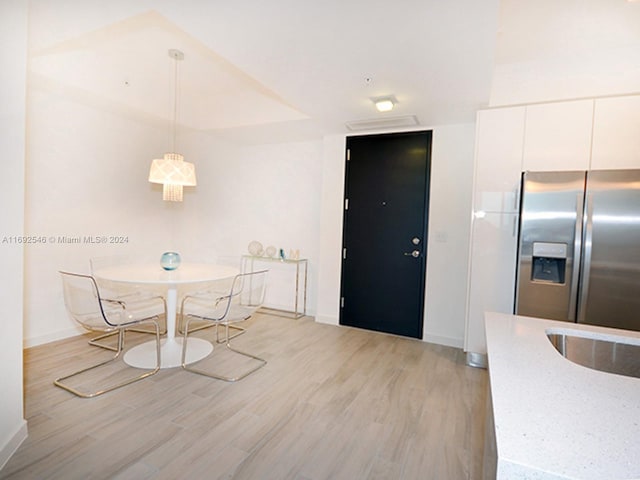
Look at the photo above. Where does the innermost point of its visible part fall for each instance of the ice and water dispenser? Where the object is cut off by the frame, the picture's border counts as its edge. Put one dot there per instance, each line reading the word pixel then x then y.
pixel 549 262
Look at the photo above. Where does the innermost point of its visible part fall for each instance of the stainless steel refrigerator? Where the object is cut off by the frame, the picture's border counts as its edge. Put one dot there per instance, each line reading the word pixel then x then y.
pixel 579 247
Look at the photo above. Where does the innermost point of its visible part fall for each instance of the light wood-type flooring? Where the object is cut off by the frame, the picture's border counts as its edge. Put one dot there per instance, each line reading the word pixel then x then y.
pixel 332 403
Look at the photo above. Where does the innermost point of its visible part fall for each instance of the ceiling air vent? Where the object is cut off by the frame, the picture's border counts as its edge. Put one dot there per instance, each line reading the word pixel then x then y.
pixel 382 123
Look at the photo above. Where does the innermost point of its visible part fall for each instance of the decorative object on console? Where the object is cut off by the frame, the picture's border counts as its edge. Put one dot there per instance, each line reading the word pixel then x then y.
pixel 170 260
pixel 271 251
pixel 282 257
pixel 171 170
pixel 255 248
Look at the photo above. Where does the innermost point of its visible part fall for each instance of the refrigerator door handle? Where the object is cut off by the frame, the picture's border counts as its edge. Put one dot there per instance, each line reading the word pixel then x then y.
pixel 586 259
pixel 577 251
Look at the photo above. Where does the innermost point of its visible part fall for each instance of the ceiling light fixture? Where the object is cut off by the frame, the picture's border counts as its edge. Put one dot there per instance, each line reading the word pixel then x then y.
pixel 171 170
pixel 384 104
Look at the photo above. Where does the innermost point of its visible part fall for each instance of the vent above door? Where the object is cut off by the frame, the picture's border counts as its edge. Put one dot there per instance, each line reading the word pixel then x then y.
pixel 382 123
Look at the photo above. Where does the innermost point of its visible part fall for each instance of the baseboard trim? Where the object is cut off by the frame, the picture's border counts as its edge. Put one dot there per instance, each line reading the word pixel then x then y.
pixel 13 444
pixel 437 339
pixel 52 337
pixel 328 319
pixel 441 340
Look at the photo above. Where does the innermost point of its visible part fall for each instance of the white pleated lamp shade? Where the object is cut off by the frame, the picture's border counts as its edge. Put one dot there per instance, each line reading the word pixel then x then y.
pixel 173 173
pixel 172 169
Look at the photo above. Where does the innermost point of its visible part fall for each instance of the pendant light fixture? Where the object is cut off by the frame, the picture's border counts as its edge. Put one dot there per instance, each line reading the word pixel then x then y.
pixel 171 170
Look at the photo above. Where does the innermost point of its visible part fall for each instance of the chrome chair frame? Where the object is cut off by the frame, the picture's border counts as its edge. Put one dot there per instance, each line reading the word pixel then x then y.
pixel 111 328
pixel 182 327
pixel 228 315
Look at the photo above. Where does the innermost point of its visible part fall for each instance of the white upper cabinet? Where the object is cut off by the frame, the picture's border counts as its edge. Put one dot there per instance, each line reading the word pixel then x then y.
pixel 616 133
pixel 558 136
pixel 499 137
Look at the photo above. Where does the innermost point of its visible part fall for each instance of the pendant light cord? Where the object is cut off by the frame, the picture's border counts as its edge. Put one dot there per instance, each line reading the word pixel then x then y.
pixel 175 103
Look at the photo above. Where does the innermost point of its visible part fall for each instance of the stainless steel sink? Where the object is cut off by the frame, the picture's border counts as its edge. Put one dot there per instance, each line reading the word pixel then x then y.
pixel 604 355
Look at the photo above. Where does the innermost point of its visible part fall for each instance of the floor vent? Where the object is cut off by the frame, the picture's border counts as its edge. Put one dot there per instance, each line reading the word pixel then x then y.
pixel 382 123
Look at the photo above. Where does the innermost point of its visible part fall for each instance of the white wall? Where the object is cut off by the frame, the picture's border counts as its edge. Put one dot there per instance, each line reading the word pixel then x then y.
pixel 449 214
pixel 13 37
pixel 449 233
pixel 88 162
pixel 269 193
pixel 333 169
pixel 277 194
pixel 87 176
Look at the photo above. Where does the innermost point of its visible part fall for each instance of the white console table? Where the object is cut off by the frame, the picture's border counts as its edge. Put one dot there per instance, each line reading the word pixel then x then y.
pixel 249 263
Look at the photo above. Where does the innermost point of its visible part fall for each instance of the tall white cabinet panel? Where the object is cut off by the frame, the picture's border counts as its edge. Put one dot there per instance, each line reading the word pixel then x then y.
pixel 558 136
pixel 574 135
pixel 492 275
pixel 499 137
pixel 616 133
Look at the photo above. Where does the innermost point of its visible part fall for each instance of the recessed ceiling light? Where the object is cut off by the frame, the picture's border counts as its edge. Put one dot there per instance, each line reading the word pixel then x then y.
pixel 385 104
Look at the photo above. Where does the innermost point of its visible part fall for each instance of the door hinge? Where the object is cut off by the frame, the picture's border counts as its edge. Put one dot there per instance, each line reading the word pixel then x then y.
pixel 341 302
pixel 344 253
pixel 348 154
pixel 346 204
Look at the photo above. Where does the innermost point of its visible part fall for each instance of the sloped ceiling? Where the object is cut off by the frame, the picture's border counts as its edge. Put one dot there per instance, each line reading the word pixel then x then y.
pixel 280 70
pixel 129 63
pixel 257 71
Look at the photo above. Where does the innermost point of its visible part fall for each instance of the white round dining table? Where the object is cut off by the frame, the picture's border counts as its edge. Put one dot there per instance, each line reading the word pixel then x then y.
pixel 187 275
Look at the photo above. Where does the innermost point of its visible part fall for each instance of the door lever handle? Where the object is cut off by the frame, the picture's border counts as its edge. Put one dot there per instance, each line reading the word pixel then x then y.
pixel 414 254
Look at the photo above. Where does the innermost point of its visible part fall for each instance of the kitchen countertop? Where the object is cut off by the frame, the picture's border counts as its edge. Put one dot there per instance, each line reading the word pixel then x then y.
pixel 555 419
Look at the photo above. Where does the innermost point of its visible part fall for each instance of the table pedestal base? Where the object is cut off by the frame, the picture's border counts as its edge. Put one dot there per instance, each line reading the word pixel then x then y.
pixel 144 355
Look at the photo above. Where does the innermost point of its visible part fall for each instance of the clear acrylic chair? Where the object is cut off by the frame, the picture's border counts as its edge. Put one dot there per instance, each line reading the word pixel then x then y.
pixel 241 299
pixel 85 305
pixel 217 288
pixel 115 290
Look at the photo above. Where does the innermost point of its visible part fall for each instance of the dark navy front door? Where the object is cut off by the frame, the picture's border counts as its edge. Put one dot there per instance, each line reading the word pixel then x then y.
pixel 385 232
